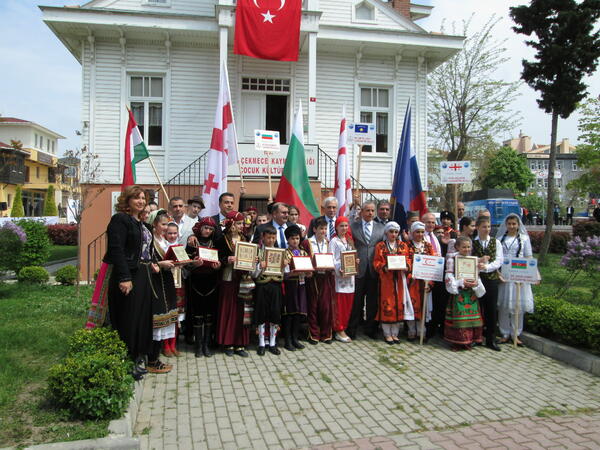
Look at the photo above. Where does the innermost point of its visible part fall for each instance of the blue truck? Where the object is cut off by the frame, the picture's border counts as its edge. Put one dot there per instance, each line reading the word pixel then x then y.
pixel 500 203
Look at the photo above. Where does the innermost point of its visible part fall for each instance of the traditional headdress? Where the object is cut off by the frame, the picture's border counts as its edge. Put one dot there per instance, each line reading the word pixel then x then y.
pixel 231 217
pixel 153 215
pixel 391 225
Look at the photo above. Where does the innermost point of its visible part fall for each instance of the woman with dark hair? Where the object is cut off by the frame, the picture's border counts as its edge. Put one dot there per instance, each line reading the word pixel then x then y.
pixel 466 228
pixel 129 293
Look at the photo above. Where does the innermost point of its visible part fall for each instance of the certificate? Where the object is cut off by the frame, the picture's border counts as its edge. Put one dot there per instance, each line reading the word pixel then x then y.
pixel 465 268
pixel 324 261
pixel 396 262
pixel 349 263
pixel 274 257
pixel 245 256
pixel 302 264
pixel 208 254
pixel 177 253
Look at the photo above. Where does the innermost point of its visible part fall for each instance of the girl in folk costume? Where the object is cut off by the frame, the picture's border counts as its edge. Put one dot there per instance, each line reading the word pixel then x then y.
pixel 321 289
pixel 203 293
pixel 489 251
pixel 231 332
pixel 344 284
pixel 172 237
pixel 394 299
pixel 295 302
pixel 515 244
pixel 418 246
pixel 463 325
pixel 164 308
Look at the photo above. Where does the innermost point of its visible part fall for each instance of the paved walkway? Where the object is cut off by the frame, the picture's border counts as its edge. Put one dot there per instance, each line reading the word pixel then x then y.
pixel 371 395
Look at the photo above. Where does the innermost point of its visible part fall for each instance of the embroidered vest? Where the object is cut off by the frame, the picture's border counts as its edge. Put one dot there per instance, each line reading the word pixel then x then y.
pixel 490 251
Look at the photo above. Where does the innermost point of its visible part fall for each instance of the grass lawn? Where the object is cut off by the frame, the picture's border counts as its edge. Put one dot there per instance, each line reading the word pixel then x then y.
pixel 554 276
pixel 58 252
pixel 36 324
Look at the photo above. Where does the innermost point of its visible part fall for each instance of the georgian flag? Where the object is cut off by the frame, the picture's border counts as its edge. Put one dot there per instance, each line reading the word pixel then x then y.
pixel 343 185
pixel 135 151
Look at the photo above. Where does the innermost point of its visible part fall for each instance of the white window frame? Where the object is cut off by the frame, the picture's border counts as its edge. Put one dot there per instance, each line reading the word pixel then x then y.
pixel 575 168
pixel 391 110
pixel 356 4
pixel 146 101
pixel 559 164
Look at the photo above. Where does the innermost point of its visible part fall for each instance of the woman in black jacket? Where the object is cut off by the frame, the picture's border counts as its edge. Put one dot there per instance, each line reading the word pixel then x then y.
pixel 129 290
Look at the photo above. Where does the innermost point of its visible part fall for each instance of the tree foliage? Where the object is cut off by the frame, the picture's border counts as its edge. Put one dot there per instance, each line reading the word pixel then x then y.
pixel 588 150
pixel 506 169
pixel 88 172
pixel 17 209
pixel 566 49
pixel 50 208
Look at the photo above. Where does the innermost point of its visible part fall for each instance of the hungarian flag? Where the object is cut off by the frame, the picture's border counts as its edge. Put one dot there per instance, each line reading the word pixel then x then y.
pixel 223 149
pixel 135 151
pixel 268 29
pixel 294 188
pixel 343 185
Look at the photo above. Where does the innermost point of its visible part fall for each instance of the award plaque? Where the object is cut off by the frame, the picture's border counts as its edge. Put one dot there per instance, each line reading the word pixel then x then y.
pixel 177 254
pixel 349 263
pixel 245 256
pixel 324 261
pixel 396 262
pixel 302 264
pixel 465 268
pixel 208 254
pixel 274 257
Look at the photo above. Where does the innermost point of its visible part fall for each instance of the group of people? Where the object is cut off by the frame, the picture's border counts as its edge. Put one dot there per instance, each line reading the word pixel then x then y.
pixel 152 295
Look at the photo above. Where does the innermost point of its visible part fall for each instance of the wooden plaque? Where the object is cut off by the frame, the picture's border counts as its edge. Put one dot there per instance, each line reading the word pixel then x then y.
pixel 302 264
pixel 396 262
pixel 324 261
pixel 465 268
pixel 274 257
pixel 208 254
pixel 177 254
pixel 245 256
pixel 349 266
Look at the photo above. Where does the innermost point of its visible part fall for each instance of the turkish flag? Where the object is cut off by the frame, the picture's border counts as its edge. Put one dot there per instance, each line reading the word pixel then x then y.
pixel 268 29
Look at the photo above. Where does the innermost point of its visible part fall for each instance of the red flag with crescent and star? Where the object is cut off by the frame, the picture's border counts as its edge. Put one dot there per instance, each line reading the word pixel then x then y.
pixel 268 29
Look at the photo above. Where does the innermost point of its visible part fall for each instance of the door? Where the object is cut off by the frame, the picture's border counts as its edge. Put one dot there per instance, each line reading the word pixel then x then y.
pixel 254 113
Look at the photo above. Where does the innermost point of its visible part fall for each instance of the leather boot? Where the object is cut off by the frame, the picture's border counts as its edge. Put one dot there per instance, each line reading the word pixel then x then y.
pixel 287 333
pixel 206 341
pixel 296 331
pixel 198 341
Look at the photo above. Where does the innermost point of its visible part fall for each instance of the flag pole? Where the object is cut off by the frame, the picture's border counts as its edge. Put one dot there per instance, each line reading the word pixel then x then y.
pixel 240 168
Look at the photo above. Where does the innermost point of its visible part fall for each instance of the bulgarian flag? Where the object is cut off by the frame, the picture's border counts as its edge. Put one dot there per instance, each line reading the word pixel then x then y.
pixel 135 151
pixel 294 188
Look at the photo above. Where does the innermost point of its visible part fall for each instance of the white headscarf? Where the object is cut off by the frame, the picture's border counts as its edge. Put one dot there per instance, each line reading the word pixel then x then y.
pixel 502 230
pixel 416 226
pixel 391 225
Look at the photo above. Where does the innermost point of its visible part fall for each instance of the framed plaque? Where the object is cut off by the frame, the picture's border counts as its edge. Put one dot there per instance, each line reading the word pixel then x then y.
pixel 302 264
pixel 177 254
pixel 274 257
pixel 396 262
pixel 465 268
pixel 349 266
pixel 324 261
pixel 245 256
pixel 208 254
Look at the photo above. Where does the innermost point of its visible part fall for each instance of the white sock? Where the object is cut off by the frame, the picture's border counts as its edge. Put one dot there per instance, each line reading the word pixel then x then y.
pixel 273 335
pixel 261 335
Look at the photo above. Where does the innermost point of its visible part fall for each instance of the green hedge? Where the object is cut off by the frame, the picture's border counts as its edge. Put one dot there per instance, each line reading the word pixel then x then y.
pixel 66 275
pixel 33 274
pixel 577 325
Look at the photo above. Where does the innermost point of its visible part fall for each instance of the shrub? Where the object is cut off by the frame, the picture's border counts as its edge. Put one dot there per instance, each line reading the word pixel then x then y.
pixel 50 208
pixel 92 386
pixel 586 229
pixel 36 250
pixel 577 325
pixel 17 209
pixel 66 275
pixel 63 234
pixel 103 340
pixel 12 238
pixel 558 241
pixel 33 274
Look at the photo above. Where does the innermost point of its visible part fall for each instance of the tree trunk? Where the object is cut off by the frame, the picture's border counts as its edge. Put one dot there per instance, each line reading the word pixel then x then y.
pixel 550 200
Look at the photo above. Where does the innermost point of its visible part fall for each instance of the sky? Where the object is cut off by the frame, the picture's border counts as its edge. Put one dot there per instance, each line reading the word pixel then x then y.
pixel 41 81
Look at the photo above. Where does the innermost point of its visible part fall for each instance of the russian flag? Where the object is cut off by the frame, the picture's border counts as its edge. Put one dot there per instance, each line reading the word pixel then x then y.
pixel 407 193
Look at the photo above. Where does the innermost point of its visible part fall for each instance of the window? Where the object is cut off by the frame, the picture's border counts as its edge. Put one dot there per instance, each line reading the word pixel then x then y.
pixel 558 182
pixel 36 140
pixel 146 95
pixel 364 12
pixel 26 174
pixel 575 169
pixel 545 183
pixel 559 165
pixel 37 172
pixel 52 146
pixel 265 84
pixel 375 108
pixel 48 145
pixel 540 182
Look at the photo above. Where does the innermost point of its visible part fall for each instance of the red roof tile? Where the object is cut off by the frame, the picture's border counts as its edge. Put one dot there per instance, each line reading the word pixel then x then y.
pixel 13 120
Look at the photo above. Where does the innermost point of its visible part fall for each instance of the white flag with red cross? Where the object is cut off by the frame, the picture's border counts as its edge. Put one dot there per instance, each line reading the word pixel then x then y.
pixel 223 149
pixel 343 185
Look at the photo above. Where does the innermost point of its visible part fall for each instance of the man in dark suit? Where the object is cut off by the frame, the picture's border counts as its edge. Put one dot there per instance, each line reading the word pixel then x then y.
pixel 366 234
pixel 330 205
pixel 384 210
pixel 570 212
pixel 226 202
pixel 280 222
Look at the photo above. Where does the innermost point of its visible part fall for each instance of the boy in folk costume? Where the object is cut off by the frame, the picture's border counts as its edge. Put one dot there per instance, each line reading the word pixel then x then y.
pixel 418 246
pixel 463 325
pixel 321 289
pixel 295 303
pixel 268 296
pixel 394 299
pixel 172 237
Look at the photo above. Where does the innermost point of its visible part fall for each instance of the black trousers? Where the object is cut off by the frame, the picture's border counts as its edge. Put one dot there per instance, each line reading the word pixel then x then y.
pixel 365 291
pixel 438 314
pixel 489 304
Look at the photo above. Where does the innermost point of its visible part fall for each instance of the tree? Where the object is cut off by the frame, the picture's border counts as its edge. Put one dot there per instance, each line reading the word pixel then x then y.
pixel 567 48
pixel 532 202
pixel 467 105
pixel 86 169
pixel 17 209
pixel 506 169
pixel 50 208
pixel 588 151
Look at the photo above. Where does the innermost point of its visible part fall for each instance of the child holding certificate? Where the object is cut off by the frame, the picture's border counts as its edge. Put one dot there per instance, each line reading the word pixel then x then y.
pixel 417 288
pixel 464 324
pixel 394 298
pixel 172 236
pixel 268 296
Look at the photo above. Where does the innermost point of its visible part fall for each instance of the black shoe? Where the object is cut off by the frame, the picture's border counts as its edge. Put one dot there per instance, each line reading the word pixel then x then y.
pixel 229 351
pixel 137 376
pixel 206 351
pixel 328 341
pixel 297 344
pixel 260 351
pixel 493 346
pixel 274 350
pixel 241 352
pixel 288 346
pixel 313 342
pixel 389 342
pixel 139 366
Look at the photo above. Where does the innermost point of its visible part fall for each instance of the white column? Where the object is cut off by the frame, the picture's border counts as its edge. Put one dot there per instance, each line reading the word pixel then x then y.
pixel 223 45
pixel 312 87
